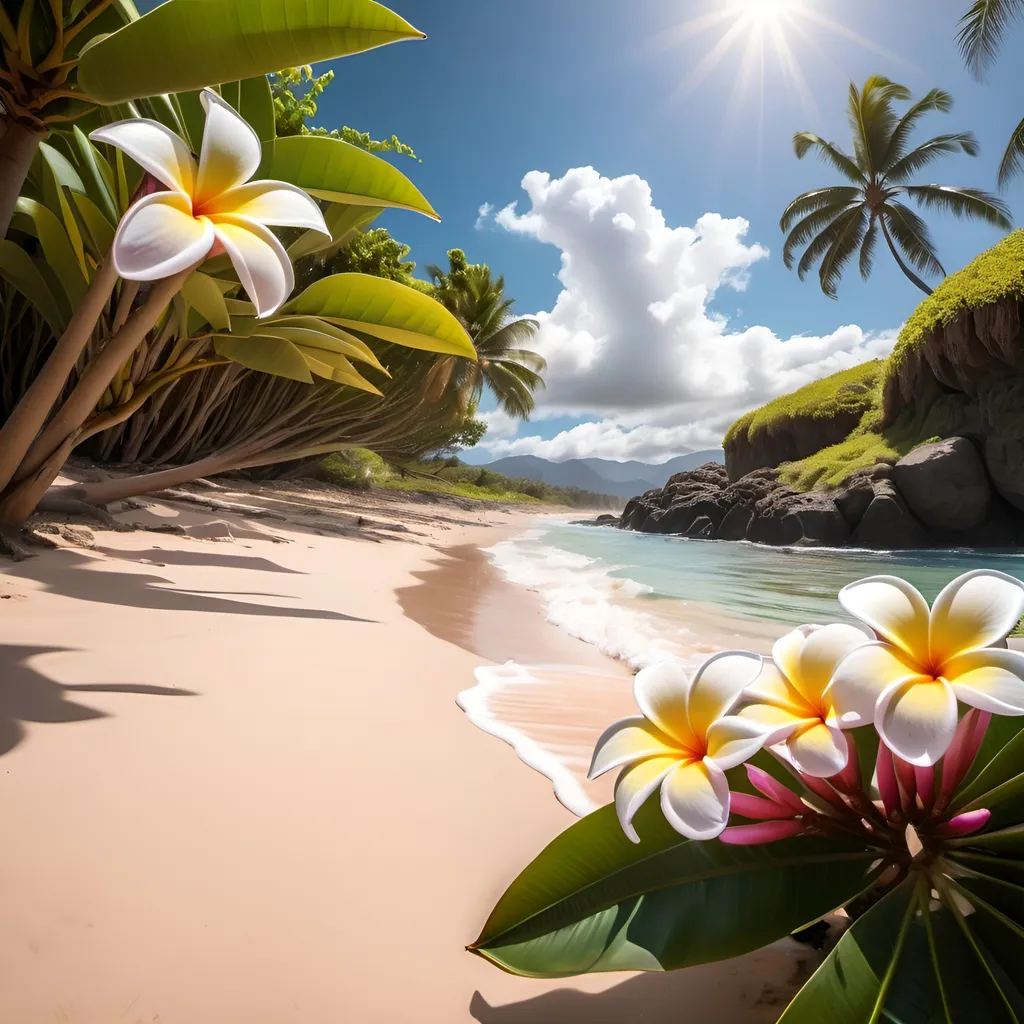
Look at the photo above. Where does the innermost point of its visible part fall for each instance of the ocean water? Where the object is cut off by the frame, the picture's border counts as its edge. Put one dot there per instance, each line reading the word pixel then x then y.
pixel 643 599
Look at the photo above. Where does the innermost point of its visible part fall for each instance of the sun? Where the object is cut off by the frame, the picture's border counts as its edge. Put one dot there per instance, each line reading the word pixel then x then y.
pixel 765 12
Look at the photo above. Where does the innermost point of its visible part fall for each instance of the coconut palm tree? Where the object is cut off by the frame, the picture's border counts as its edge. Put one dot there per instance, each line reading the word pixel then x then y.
pixel 509 371
pixel 981 33
pixel 834 224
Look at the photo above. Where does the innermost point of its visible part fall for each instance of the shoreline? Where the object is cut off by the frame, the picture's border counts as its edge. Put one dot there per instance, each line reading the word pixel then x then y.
pixel 237 787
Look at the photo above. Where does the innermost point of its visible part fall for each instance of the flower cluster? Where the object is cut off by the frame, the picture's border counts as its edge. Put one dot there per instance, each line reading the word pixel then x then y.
pixel 904 671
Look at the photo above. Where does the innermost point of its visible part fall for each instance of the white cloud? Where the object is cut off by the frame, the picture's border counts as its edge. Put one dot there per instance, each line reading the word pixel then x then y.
pixel 484 211
pixel 499 424
pixel 631 338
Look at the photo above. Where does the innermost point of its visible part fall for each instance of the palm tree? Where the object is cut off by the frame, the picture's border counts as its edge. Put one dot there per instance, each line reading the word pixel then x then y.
pixel 510 372
pixel 981 33
pixel 834 224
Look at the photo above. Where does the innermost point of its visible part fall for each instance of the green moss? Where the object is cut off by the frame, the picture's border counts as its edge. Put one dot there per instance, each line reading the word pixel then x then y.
pixel 994 275
pixel 850 391
pixel 462 490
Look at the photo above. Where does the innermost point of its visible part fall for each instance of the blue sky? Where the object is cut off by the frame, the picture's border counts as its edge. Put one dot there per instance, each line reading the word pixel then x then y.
pixel 497 91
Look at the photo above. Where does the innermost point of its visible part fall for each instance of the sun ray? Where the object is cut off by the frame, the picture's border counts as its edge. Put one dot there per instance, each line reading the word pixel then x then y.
pixel 710 61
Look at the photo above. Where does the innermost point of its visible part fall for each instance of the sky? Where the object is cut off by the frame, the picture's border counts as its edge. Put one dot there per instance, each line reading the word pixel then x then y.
pixel 624 166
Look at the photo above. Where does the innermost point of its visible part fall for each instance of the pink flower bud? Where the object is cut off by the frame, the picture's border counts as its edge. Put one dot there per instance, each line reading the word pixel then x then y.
pixel 925 779
pixel 970 734
pixel 964 824
pixel 848 780
pixel 765 832
pixel 908 784
pixel 754 807
pixel 885 774
pixel 773 789
pixel 821 788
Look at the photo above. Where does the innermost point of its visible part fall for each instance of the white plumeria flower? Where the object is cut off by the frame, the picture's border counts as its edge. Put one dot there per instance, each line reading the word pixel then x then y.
pixel 793 697
pixel 909 680
pixel 210 204
pixel 683 743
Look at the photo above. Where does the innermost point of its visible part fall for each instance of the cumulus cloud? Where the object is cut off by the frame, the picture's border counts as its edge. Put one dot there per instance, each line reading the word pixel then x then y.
pixel 632 338
pixel 482 214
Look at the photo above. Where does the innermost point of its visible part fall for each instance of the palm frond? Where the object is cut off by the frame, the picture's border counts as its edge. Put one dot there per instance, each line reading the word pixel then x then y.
pixel 867 249
pixel 511 336
pixel 982 29
pixel 1013 159
pixel 963 202
pixel 513 394
pixel 803 142
pixel 841 251
pixel 914 239
pixel 824 241
pixel 807 228
pixel 818 199
pixel 934 99
pixel 873 120
pixel 921 156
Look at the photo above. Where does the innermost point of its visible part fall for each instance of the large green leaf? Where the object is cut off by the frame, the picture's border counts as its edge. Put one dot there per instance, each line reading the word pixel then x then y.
pixel 334 170
pixel 19 270
pixel 1000 767
pixel 594 901
pixel 186 44
pixel 38 220
pixel 1002 730
pixel 343 221
pixel 204 295
pixel 386 310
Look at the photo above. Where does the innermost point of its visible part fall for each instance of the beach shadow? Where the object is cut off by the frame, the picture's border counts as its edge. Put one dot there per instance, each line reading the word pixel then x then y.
pixel 26 695
pixel 211 559
pixel 132 590
pixel 656 998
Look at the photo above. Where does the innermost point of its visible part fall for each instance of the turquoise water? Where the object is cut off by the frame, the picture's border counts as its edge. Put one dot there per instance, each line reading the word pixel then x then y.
pixel 787 585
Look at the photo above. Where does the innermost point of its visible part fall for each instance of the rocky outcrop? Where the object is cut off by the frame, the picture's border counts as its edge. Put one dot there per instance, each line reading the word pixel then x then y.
pixel 1004 459
pixel 938 496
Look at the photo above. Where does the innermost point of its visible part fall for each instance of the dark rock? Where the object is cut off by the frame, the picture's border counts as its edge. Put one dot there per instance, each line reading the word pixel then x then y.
pixel 603 520
pixel 1004 528
pixel 681 516
pixel 1004 457
pixel 778 528
pixel 888 523
pixel 854 501
pixel 702 527
pixel 945 485
pixel 788 517
pixel 606 520
pixel 711 473
pixel 734 525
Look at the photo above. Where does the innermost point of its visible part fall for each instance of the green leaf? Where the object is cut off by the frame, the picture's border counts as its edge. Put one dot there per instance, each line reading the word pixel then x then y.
pixel 36 219
pixel 187 44
pixel 312 333
pixel 256 105
pixel 386 310
pixel 202 294
pixel 96 175
pixel 19 270
pixel 99 230
pixel 268 355
pixel 343 221
pixel 1000 759
pixel 331 169
pixel 594 901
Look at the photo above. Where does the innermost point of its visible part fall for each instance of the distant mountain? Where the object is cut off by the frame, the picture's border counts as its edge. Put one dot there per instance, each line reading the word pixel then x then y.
pixel 625 479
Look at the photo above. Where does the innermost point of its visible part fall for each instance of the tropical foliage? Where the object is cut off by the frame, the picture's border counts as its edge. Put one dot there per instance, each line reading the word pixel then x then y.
pixel 844 772
pixel 511 372
pixel 982 30
pixel 835 224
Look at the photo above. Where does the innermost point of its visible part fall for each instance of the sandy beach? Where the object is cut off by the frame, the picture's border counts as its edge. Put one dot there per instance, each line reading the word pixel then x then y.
pixel 236 786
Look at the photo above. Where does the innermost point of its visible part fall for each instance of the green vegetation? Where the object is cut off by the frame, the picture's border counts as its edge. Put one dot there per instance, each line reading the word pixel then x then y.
pixel 994 275
pixel 832 225
pixel 852 391
pixel 361 469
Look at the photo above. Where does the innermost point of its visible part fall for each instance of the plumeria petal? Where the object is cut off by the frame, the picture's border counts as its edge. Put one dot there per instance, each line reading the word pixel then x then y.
pixel 991 679
pixel 695 799
pixel 259 259
pixel 786 650
pixel 763 832
pixel 823 650
pixel 862 676
pixel 892 608
pixel 772 687
pixel 231 149
pixel 717 686
pixel 272 203
pixel 158 237
pixel 977 609
pixel 660 693
pixel 634 787
pixel 155 148
pixel 818 750
pixel 917 719
pixel 732 740
pixel 630 739
pixel 776 724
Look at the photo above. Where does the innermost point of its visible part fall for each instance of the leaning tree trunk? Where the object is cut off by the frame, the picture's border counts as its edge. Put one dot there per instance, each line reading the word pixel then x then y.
pixel 18 146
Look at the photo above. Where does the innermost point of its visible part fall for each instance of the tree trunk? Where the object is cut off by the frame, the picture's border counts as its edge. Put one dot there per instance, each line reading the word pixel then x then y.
pixel 99 373
pixel 131 486
pixel 906 270
pixel 20 430
pixel 18 146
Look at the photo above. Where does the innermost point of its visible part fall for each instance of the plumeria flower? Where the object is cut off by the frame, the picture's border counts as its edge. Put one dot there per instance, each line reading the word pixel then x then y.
pixel 683 743
pixel 792 697
pixel 211 206
pixel 908 682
